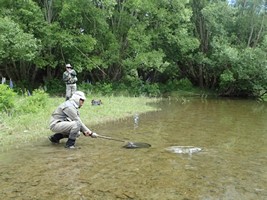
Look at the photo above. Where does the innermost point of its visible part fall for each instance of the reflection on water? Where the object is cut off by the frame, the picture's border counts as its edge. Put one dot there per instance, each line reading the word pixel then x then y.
pixel 231 165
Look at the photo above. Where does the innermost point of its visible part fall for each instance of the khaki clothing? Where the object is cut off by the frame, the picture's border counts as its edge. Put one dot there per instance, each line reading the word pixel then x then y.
pixel 66 120
pixel 70 78
pixel 70 89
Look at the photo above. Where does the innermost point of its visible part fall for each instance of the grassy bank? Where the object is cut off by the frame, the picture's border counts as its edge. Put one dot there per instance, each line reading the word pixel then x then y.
pixel 18 129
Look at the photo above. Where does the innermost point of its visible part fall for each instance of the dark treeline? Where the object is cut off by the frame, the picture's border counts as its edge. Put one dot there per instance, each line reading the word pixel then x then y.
pixel 217 45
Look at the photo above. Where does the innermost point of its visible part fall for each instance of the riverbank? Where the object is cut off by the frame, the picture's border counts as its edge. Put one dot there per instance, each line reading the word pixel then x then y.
pixel 17 130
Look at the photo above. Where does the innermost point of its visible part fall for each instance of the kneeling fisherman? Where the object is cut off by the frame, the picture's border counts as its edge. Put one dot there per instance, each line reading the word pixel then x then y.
pixel 65 121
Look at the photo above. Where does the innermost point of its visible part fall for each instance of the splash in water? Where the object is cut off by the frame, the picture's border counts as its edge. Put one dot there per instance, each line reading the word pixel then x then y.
pixel 184 149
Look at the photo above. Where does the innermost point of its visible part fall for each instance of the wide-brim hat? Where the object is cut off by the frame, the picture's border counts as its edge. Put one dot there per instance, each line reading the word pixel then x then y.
pixel 68 66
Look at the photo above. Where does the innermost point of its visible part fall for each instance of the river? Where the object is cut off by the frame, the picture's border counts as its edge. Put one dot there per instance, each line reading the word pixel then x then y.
pixel 232 163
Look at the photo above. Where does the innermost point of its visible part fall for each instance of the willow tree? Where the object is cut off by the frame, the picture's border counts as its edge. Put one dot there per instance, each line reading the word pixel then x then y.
pixel 231 55
pixel 210 19
pixel 158 39
pixel 247 72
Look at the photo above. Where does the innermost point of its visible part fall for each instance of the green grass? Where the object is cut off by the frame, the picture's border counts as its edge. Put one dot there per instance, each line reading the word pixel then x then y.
pixel 18 129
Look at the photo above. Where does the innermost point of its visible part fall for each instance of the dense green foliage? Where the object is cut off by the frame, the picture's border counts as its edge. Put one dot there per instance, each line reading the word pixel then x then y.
pixel 7 99
pixel 146 47
pixel 24 103
pixel 33 103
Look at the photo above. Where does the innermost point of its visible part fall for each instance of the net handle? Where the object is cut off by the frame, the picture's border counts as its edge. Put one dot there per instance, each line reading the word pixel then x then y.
pixel 130 145
pixel 110 138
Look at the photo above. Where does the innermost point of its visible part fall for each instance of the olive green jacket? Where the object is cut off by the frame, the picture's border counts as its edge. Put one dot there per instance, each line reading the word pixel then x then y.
pixel 67 111
pixel 70 77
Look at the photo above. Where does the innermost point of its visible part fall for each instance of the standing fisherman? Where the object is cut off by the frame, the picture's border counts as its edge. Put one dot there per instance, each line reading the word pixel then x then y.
pixel 66 123
pixel 69 77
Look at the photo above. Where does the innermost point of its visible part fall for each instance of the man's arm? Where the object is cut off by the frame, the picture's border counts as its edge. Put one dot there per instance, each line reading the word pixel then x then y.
pixel 73 115
pixel 73 72
pixel 66 76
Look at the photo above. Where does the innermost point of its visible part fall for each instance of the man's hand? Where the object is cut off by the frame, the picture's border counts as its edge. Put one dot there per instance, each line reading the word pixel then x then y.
pixel 72 72
pixel 90 133
pixel 87 133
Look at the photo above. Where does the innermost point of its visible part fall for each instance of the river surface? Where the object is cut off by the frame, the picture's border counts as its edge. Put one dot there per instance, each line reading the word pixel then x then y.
pixel 232 164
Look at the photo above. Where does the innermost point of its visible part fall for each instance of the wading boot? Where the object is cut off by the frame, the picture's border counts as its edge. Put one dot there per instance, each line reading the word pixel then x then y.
pixel 70 144
pixel 55 138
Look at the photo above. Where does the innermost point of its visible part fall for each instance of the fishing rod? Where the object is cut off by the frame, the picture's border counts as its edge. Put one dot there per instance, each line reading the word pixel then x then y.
pixel 110 138
pixel 129 145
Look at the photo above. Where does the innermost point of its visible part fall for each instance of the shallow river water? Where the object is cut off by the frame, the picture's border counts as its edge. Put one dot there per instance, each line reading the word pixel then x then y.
pixel 232 164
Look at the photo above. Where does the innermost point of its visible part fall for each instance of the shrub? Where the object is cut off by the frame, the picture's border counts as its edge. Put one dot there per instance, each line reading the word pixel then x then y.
pixel 85 87
pixel 151 90
pixel 34 103
pixel 7 98
pixel 55 86
pixel 102 88
pixel 181 84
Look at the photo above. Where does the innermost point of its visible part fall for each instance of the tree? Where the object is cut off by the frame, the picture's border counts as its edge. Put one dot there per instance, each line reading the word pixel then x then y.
pixel 159 37
pixel 17 50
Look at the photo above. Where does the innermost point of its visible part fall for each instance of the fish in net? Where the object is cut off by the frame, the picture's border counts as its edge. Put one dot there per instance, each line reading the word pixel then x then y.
pixel 135 145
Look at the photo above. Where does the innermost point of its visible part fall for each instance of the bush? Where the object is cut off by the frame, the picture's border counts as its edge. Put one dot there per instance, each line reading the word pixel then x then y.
pixel 104 88
pixel 151 90
pixel 34 103
pixel 7 99
pixel 98 88
pixel 85 87
pixel 55 86
pixel 174 85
